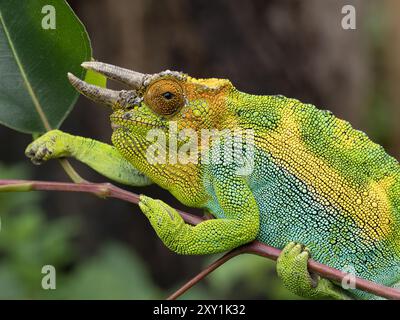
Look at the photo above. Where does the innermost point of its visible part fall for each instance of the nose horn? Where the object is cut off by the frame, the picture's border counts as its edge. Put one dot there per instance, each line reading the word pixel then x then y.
pixel 131 78
pixel 101 95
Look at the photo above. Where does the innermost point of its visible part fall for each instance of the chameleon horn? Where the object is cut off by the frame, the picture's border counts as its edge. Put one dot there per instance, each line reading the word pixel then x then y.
pixel 101 95
pixel 131 78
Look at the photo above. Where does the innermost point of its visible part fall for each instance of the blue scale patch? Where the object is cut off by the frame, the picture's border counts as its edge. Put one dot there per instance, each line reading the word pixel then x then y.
pixel 290 211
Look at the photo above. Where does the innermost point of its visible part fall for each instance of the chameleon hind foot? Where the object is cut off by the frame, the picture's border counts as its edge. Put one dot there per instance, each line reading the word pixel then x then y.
pixel 292 270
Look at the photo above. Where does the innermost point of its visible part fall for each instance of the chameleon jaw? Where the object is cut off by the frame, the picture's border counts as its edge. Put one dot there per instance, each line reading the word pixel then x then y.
pixel 134 121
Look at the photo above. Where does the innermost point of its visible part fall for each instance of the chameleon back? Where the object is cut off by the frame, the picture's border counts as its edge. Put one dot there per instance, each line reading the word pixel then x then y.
pixel 322 183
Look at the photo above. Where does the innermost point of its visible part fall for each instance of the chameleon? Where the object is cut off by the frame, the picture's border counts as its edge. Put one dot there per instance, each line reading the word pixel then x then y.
pixel 315 186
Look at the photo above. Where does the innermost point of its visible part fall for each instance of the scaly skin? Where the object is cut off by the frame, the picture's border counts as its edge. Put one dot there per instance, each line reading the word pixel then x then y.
pixel 315 180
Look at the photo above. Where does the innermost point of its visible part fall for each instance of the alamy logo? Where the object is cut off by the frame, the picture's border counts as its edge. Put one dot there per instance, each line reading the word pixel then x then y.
pixel 349 18
pixel 349 280
pixel 211 146
pixel 49 280
pixel 49 20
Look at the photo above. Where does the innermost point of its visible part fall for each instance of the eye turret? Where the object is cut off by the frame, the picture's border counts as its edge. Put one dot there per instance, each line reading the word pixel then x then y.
pixel 165 97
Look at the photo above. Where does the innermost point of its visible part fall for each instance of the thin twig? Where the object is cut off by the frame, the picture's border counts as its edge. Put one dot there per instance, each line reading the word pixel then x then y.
pixel 70 171
pixel 216 264
pixel 261 249
pixel 106 190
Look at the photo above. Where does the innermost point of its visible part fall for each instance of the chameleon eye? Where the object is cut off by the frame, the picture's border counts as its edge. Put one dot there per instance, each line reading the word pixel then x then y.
pixel 168 95
pixel 165 97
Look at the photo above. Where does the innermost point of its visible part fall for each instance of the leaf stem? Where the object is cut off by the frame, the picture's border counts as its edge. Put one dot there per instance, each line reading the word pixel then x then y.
pixel 70 171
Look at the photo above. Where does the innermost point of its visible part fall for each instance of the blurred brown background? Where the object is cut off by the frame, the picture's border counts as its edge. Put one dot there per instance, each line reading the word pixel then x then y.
pixel 294 47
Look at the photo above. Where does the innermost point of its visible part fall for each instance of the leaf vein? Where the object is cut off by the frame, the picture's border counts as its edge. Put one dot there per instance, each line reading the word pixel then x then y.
pixel 31 92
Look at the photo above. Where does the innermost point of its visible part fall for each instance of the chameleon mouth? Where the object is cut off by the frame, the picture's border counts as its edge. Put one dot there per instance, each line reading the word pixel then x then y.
pixel 136 123
pixel 115 126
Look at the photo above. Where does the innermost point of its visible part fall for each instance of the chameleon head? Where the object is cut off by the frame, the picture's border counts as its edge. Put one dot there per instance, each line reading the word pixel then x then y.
pixel 160 101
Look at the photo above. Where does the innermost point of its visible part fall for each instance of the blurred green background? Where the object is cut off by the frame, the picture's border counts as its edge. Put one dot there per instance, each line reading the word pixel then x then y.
pixel 106 248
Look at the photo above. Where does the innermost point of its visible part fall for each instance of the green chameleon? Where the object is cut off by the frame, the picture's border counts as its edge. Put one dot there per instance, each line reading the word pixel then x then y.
pixel 313 184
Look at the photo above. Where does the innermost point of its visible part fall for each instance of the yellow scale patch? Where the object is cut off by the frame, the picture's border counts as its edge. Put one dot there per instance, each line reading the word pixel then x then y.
pixel 369 205
pixel 210 84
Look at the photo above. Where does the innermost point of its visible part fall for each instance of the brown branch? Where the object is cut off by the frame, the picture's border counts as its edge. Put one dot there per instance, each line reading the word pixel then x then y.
pixel 216 264
pixel 107 190
pixel 263 250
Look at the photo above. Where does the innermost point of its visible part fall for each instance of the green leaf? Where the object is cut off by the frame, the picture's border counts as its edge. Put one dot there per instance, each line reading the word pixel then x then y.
pixel 95 78
pixel 35 94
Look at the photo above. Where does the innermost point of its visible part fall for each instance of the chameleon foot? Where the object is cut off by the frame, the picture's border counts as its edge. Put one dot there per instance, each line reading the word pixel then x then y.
pixel 165 220
pixel 292 269
pixel 46 147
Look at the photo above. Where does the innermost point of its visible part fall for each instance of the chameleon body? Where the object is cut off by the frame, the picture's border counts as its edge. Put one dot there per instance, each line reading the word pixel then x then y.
pixel 316 185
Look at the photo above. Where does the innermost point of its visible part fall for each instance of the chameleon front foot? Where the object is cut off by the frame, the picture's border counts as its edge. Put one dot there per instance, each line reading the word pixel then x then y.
pixel 292 269
pixel 207 237
pixel 165 220
pixel 49 146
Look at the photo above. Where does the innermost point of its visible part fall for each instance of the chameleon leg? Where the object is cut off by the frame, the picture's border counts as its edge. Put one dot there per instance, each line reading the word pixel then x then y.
pixel 211 236
pixel 103 158
pixel 292 269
